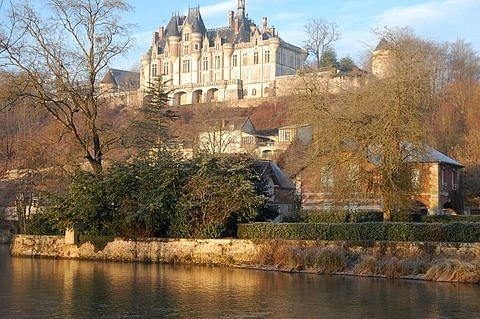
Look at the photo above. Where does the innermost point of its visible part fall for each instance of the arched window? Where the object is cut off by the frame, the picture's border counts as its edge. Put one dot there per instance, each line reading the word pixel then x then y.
pixel 254 92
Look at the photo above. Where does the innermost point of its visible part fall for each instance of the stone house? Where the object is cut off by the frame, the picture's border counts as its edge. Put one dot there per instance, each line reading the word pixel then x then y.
pixel 435 175
pixel 238 135
pixel 237 61
pixel 438 176
pixel 280 190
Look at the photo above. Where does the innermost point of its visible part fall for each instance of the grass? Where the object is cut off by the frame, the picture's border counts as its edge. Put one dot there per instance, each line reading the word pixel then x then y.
pixel 392 263
pixel 455 270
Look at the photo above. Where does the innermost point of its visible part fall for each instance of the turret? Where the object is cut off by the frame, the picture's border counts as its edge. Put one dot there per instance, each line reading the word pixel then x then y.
pixel 241 8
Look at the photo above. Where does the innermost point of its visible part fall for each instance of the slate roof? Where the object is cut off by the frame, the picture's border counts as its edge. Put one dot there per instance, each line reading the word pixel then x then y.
pixel 426 155
pixel 194 18
pixel 382 45
pixel 431 155
pixel 122 80
pixel 278 176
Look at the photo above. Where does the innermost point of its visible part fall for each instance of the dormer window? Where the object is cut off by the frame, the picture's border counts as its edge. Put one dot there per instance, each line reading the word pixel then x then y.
pixel 186 37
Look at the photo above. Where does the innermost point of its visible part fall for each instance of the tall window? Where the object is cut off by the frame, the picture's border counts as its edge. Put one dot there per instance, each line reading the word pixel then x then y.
pixel 186 66
pixel 186 37
pixel 267 57
pixel 255 57
pixel 165 68
pixel 235 60
pixel 326 177
pixel 154 70
pixel 205 64
pixel 186 49
pixel 217 62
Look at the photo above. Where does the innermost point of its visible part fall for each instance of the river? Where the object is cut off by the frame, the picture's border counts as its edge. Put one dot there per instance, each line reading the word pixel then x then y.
pixel 47 288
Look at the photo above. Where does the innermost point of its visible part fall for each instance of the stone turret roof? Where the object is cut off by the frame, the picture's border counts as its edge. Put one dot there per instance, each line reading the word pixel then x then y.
pixel 195 20
pixel 382 45
pixel 172 28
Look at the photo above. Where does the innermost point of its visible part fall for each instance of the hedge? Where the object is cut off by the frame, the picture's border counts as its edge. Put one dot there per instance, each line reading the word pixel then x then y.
pixel 466 232
pixel 339 216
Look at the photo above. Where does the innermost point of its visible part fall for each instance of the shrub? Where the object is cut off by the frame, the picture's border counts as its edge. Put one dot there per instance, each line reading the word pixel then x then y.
pixel 407 217
pixel 449 218
pixel 462 232
pixel 391 231
pixel 366 216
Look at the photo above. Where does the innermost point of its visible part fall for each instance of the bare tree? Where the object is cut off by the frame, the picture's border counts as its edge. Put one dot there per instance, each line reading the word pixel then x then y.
pixel 321 35
pixel 220 139
pixel 61 57
pixel 366 138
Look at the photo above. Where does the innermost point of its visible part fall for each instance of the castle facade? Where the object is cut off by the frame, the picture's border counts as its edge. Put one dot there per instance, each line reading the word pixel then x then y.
pixel 238 61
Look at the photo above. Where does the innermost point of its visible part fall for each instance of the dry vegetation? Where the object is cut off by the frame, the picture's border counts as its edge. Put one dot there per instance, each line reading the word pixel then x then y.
pixel 340 259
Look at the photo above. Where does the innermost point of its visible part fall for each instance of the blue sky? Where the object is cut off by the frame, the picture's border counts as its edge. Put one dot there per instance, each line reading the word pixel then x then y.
pixel 440 20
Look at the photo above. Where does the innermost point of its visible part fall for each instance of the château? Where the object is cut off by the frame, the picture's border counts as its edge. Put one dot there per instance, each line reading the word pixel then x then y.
pixel 238 61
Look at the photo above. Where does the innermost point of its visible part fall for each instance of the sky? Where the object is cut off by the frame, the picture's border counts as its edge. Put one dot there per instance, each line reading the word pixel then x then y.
pixel 438 20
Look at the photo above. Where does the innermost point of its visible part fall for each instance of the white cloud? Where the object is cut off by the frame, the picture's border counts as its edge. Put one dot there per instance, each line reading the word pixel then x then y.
pixel 217 11
pixel 434 17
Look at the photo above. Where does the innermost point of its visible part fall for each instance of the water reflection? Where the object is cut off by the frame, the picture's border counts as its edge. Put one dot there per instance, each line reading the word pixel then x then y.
pixel 34 288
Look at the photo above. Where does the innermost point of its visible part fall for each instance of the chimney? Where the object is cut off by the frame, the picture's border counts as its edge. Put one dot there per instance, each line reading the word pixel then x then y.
pixel 264 24
pixel 231 23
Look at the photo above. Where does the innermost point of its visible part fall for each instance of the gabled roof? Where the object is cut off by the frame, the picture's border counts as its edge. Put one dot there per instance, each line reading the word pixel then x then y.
pixel 269 168
pixel 237 123
pixel 122 80
pixel 425 154
pixel 431 155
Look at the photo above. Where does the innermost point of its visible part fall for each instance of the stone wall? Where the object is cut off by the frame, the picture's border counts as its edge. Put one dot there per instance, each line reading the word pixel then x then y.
pixel 211 251
pixel 224 251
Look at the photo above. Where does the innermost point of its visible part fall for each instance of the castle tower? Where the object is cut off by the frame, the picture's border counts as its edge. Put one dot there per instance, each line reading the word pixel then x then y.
pixel 241 8
pixel 381 59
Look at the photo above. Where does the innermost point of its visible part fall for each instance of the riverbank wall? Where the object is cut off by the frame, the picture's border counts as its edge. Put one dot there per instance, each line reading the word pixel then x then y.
pixel 457 262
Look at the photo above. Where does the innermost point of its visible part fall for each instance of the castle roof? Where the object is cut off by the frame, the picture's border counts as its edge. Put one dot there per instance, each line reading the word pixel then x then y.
pixel 172 28
pixel 122 80
pixel 194 19
pixel 382 45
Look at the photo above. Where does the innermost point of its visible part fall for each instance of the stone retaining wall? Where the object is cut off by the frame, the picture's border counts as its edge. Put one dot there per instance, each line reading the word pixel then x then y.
pixel 211 251
pixel 224 251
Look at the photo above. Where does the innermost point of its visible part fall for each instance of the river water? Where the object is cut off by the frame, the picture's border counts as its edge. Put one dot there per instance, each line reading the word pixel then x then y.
pixel 47 288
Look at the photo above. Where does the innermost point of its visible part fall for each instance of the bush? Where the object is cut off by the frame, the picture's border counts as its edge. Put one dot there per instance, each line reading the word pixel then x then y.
pixel 339 216
pixel 366 216
pixel 462 232
pixel 449 218
pixel 406 217
pixel 391 231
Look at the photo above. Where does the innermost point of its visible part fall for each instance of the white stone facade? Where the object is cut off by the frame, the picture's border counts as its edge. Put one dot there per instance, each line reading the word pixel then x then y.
pixel 240 60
